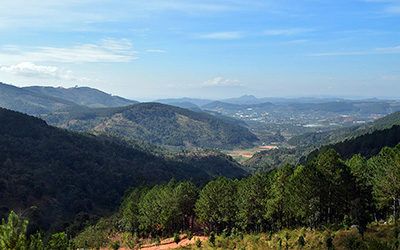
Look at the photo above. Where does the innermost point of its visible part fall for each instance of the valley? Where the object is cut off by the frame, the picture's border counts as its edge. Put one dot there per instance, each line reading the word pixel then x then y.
pixel 139 173
pixel 199 124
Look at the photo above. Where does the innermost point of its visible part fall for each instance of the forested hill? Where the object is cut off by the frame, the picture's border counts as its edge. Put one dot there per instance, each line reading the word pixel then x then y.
pixel 25 101
pixel 335 136
pixel 367 140
pixel 366 145
pixel 159 124
pixel 54 176
pixel 43 100
pixel 83 96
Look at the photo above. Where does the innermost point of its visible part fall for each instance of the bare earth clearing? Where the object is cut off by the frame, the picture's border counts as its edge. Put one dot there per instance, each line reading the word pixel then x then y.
pixel 248 153
pixel 169 243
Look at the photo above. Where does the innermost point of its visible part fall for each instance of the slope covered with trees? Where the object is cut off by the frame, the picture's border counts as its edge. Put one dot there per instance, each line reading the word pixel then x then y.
pixel 366 145
pixel 335 136
pixel 83 96
pixel 44 100
pixel 25 101
pixel 328 192
pixel 55 177
pixel 366 140
pixel 159 124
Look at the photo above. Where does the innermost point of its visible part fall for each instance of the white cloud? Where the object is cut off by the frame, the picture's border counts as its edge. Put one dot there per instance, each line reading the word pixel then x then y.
pixel 389 6
pixel 286 32
pixel 389 50
pixel 29 69
pixel 156 51
pixel 340 53
pixel 375 51
pixel 107 50
pixel 294 42
pixel 228 35
pixel 391 77
pixel 222 82
pixel 74 14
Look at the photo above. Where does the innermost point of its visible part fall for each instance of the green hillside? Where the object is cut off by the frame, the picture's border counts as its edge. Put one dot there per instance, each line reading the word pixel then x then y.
pixel 56 177
pixel 366 145
pixel 367 140
pixel 159 124
pixel 318 139
pixel 83 96
pixel 28 102
pixel 44 100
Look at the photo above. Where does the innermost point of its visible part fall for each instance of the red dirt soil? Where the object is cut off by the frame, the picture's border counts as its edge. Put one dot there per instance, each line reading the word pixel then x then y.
pixel 169 243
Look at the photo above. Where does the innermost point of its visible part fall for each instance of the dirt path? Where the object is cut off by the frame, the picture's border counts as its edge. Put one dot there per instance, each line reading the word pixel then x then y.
pixel 170 244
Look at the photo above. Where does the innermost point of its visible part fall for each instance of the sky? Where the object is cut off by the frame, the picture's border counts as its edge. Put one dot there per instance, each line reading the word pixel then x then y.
pixel 149 49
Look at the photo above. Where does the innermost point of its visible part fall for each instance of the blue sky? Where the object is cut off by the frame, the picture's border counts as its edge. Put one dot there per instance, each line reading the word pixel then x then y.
pixel 211 49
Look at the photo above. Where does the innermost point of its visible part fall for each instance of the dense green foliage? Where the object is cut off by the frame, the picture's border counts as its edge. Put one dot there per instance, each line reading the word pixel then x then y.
pixel 327 192
pixel 216 205
pixel 159 124
pixel 14 236
pixel 268 160
pixel 163 209
pixel 377 237
pixel 367 145
pixel 63 179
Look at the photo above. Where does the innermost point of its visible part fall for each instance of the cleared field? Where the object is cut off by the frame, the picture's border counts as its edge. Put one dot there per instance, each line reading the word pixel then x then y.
pixel 244 154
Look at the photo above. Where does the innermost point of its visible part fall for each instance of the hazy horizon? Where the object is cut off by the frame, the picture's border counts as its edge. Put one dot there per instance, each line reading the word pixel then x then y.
pixel 154 49
pixel 150 99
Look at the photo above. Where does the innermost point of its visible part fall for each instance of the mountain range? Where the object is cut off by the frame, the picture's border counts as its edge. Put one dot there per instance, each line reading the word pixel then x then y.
pixel 90 110
pixel 45 100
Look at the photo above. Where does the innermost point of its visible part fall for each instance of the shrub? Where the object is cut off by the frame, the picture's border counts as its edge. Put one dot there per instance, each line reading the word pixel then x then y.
pixel 157 240
pixel 301 241
pixel 58 241
pixel 378 244
pixel 211 239
pixel 13 232
pixel 115 245
pixel 349 239
pixel 279 243
pixel 177 238
pixel 129 240
pixel 36 242
pixel 198 243
pixel 91 237
pixel 190 235
pixel 329 242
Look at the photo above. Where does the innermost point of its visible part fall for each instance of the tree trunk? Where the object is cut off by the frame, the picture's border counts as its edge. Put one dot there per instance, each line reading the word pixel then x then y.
pixel 395 211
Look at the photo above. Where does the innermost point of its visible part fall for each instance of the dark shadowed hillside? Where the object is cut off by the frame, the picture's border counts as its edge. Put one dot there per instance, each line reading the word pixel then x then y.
pixel 366 145
pixel 158 123
pixel 55 176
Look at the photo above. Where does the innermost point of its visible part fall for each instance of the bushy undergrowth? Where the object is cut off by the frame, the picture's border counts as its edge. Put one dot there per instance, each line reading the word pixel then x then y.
pixel 380 237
